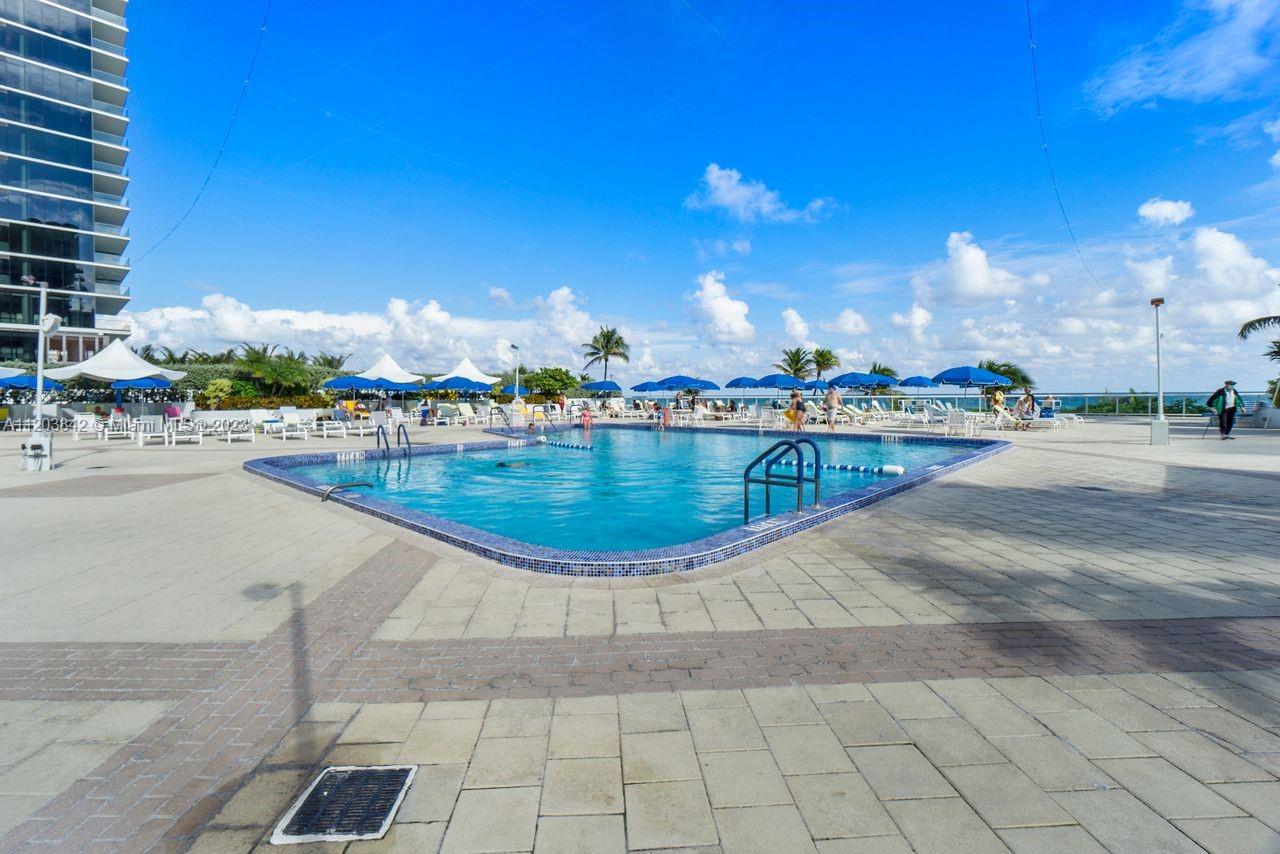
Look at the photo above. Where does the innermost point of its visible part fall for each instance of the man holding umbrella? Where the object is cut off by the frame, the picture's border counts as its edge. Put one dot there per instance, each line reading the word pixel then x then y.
pixel 1224 401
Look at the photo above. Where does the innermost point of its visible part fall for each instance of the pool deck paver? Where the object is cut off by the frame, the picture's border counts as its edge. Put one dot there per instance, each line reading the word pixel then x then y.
pixel 1067 668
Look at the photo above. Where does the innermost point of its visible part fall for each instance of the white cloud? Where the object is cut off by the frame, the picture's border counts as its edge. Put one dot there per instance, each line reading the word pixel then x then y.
pixel 915 321
pixel 967 274
pixel 746 200
pixel 1228 264
pixel 1274 160
pixel 724 316
pixel 1215 49
pixel 721 248
pixel 1154 275
pixel 742 246
pixel 1158 211
pixel 848 322
pixel 422 334
pixel 501 297
pixel 794 325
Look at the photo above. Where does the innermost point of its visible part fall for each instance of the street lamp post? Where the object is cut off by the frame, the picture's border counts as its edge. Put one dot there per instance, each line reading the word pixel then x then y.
pixel 516 396
pixel 42 324
pixel 1159 426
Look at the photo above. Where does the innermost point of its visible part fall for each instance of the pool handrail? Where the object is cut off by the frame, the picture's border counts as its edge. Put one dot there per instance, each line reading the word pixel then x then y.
pixel 770 457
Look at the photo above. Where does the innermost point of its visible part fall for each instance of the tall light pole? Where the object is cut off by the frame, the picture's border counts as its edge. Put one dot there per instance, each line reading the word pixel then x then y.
pixel 44 322
pixel 1159 427
pixel 516 396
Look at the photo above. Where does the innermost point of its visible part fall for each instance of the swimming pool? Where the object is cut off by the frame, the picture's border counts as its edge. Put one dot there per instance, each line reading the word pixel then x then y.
pixel 639 501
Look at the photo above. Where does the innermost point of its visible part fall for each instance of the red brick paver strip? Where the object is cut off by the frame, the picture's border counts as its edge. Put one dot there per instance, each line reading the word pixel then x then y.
pixel 236 701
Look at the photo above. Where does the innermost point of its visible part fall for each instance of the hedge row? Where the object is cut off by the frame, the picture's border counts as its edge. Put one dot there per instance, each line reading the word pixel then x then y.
pixel 302 401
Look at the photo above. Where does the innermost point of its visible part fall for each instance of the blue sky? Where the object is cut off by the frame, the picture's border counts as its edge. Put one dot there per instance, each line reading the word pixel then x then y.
pixel 719 180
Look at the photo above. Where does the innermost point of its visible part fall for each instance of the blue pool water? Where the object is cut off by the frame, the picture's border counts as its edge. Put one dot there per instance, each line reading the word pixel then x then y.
pixel 636 489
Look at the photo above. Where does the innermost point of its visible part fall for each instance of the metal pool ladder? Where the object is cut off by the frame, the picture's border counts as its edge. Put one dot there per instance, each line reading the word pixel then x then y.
pixel 776 452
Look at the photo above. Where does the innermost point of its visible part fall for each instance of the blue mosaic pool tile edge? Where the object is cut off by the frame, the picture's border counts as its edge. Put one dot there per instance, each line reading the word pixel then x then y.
pixel 622 563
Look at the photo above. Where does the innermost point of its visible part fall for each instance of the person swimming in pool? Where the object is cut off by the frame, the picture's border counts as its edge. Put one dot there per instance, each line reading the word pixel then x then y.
pixel 506 465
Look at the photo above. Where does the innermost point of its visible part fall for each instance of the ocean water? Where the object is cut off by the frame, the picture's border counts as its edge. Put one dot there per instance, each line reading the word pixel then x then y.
pixel 635 489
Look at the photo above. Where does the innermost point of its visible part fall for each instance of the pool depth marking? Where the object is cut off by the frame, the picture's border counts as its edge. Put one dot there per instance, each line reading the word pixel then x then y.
pixel 629 562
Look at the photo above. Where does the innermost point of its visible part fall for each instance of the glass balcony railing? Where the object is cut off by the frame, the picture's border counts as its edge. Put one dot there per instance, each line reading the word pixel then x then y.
pixel 113 168
pixel 111 258
pixel 110 323
pixel 107 107
pixel 110 17
pixel 108 77
pixel 111 199
pixel 108 228
pixel 103 136
pixel 109 47
pixel 115 289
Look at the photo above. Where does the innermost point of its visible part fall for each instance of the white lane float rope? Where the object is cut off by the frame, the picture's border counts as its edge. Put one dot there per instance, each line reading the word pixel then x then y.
pixel 890 469
pixel 570 445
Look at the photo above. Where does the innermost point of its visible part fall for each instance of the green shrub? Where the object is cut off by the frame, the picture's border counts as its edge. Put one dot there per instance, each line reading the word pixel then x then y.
pixel 217 391
pixel 302 401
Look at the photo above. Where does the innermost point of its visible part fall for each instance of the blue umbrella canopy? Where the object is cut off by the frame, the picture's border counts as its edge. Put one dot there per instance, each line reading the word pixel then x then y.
pixel 779 381
pixel 917 382
pixel 817 385
pixel 508 389
pixel 350 384
pixel 649 386
pixel 391 385
pixel 742 382
pixel 881 379
pixel 142 382
pixel 967 375
pixel 705 385
pixel 853 379
pixel 462 384
pixel 679 381
pixel 603 385
pixel 29 382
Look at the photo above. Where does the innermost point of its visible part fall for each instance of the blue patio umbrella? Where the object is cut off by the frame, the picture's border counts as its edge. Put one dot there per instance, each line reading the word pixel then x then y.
pixel 777 381
pixel 817 385
pixel 705 385
pixel 350 384
pixel 742 382
pixel 967 375
pixel 602 385
pixel 917 382
pixel 389 385
pixel 141 383
pixel 511 389
pixel 678 381
pixel 28 382
pixel 852 379
pixel 648 386
pixel 463 384
pixel 882 380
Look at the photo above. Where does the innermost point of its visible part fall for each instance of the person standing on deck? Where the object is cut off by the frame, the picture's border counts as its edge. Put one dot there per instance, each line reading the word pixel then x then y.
pixel 1225 401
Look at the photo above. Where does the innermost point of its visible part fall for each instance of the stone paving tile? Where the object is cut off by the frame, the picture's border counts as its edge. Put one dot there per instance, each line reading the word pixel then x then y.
pixel 655 757
pixel 1050 840
pixel 1230 835
pixel 1005 797
pixel 493 820
pixel 581 834
pixel 729 728
pixel 806 749
pixel 1052 764
pixel 1203 759
pixel 669 815
pixel 838 805
pixel 763 830
pixel 505 762
pixel 582 787
pixel 858 724
pixel 943 826
pixel 950 741
pixel 900 771
pixel 1093 735
pixel 1121 822
pixel 1167 790
pixel 1261 800
pixel 743 778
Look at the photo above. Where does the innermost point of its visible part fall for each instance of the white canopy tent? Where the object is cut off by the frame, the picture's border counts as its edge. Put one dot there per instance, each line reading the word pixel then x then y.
pixel 114 362
pixel 388 369
pixel 466 370
pixel 5 373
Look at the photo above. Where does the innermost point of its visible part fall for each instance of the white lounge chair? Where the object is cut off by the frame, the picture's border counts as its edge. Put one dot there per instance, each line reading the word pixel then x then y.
pixel 184 431
pixel 149 428
pixel 291 426
pixel 331 429
pixel 86 422
pixel 231 430
pixel 957 424
pixel 467 414
pixel 117 427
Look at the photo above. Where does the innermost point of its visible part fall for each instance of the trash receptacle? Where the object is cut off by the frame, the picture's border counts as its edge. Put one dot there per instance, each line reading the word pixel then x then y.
pixel 37 452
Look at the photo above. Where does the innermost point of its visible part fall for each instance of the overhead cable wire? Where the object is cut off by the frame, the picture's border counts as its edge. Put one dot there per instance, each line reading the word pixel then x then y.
pixel 226 137
pixel 1044 146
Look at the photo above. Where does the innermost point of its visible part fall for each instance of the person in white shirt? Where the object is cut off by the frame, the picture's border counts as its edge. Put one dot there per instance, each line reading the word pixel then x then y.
pixel 1225 401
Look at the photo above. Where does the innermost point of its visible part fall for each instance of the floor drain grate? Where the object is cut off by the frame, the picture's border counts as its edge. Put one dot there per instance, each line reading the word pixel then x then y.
pixel 345 803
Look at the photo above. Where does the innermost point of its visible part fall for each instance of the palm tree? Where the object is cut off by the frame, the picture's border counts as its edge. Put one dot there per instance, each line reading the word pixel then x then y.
pixel 169 356
pixel 796 362
pixel 605 345
pixel 333 361
pixel 146 351
pixel 1258 324
pixel 1021 379
pixel 824 360
pixel 883 369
